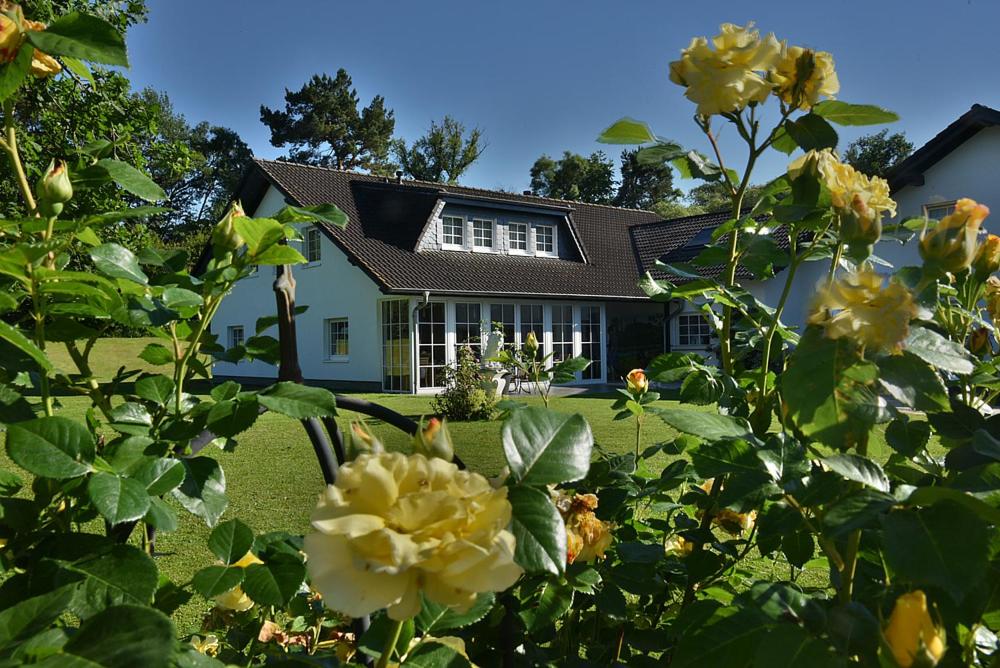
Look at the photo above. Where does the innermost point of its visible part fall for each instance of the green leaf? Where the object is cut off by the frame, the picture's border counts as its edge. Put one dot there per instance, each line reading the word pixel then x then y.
pixel 160 516
pixel 938 351
pixel 907 437
pixel 230 541
pixel 436 618
pixel 812 132
pixel 659 154
pixel 13 74
pixel 159 389
pixel 279 254
pixel 156 354
pixel 118 262
pixel 729 638
pixel 203 492
pixel 298 401
pixel 159 475
pixel 539 531
pixel 259 233
pixel 328 214
pixel 114 574
pixel 783 141
pixel 627 131
pixel 118 499
pixel 554 600
pixel 376 637
pixel 544 447
pixel 275 582
pixel 791 646
pixel 944 546
pixel 225 391
pixel 232 417
pixel 705 425
pixel 51 447
pixel 435 653
pixel 928 496
pixel 121 637
pixel 82 36
pixel 17 339
pixel 844 113
pixel 180 298
pixel 32 615
pixel 912 382
pixel 215 580
pixel 859 510
pixel 265 322
pixel 79 68
pixel 859 469
pixel 566 370
pixel 132 180
pixel 725 456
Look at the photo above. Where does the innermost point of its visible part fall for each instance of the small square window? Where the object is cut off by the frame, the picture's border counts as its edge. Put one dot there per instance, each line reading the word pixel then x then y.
pixel 453 231
pixel 545 239
pixel 312 248
pixel 517 234
pixel 693 330
pixel 482 234
pixel 234 335
pixel 337 346
pixel 939 210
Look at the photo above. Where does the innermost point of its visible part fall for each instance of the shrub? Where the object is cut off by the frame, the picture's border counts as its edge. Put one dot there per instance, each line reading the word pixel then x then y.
pixel 468 393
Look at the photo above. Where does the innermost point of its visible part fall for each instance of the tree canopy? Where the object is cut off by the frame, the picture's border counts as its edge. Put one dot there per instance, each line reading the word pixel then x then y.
pixel 876 153
pixel 574 177
pixel 644 185
pixel 443 154
pixel 322 125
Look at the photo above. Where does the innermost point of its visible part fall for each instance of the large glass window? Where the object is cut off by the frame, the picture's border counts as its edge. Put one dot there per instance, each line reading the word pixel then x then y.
pixel 312 245
pixel 545 239
pixel 482 234
pixel 517 234
pixel 432 345
pixel 502 318
pixel 336 338
pixel 562 332
pixel 590 338
pixel 468 327
pixel 396 346
pixel 453 228
pixel 531 321
pixel 693 330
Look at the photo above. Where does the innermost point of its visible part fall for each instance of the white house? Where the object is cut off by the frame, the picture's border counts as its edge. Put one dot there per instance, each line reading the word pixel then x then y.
pixel 424 267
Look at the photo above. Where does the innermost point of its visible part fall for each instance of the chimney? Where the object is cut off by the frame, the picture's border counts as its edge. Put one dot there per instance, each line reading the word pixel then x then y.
pixel 399 176
pixel 527 192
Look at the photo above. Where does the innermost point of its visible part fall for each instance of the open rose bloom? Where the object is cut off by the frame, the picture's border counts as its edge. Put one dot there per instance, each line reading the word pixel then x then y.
pixel 395 525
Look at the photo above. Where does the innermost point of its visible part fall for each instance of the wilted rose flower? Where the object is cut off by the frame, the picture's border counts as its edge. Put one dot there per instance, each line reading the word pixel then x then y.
pixel 987 258
pixel 730 76
pixel 43 65
pixel 993 298
pixel 857 307
pixel 802 76
pixel 911 633
pixel 587 537
pixel 395 525
pixel 637 381
pixel 951 245
pixel 11 31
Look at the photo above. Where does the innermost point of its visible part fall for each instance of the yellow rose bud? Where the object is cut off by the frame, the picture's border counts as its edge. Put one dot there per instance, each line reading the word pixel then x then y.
pixel 637 381
pixel 434 440
pixel 992 297
pixel 951 245
pixel 860 227
pixel 531 344
pixel 235 599
pixel 911 634
pixel 54 188
pixel 987 258
pixel 857 307
pixel 11 32
pixel 360 439
pixel 225 238
pixel 803 76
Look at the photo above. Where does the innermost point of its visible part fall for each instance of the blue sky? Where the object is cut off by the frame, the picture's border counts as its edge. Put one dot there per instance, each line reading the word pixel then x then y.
pixel 545 76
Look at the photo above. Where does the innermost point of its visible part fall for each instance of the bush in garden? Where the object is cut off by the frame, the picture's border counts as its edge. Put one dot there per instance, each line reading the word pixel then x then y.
pixel 467 395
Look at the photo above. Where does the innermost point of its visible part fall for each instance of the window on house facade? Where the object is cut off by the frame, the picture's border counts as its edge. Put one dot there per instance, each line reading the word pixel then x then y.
pixel 590 341
pixel 336 338
pixel 939 210
pixel 517 234
pixel 562 332
pixel 234 335
pixel 545 240
pixel 453 228
pixel 432 345
pixel 396 345
pixel 482 234
pixel 312 245
pixel 468 330
pixel 693 330
pixel 531 321
pixel 502 318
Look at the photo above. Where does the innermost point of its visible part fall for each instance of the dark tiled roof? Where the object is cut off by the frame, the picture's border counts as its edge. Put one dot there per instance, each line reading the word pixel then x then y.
pixel 911 171
pixel 387 218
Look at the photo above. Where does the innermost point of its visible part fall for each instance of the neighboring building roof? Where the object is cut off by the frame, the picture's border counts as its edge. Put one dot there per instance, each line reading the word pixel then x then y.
pixel 911 170
pixel 387 217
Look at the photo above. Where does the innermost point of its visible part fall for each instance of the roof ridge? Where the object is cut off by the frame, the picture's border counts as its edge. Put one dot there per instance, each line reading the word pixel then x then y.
pixel 445 186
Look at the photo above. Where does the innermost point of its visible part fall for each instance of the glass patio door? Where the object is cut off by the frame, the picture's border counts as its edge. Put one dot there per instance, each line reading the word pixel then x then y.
pixel 432 345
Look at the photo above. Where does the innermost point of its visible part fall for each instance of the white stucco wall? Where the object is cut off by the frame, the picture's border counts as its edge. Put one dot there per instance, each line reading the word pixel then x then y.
pixel 331 288
pixel 971 170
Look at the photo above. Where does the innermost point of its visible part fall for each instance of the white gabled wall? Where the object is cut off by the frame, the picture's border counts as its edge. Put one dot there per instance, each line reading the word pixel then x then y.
pixel 331 288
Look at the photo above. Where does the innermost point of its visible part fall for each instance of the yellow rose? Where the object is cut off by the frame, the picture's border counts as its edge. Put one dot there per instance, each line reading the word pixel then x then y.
pixel 11 32
pixel 735 523
pixel 678 546
pixel 235 599
pixel 730 76
pixel 911 634
pixel 587 537
pixel 43 65
pixel 802 76
pixel 395 525
pixel 531 344
pixel 951 244
pixel 209 646
pixel 987 258
pixel 857 307
pixel 637 381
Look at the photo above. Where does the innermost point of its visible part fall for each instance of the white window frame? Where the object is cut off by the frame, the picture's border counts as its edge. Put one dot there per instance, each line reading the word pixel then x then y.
pixel 930 207
pixel 525 230
pixel 449 245
pixel 307 246
pixel 231 336
pixel 554 252
pixel 328 354
pixel 493 234
pixel 703 322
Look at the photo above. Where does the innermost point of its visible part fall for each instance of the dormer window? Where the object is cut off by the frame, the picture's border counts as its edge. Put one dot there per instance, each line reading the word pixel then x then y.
pixel 517 236
pixel 482 234
pixel 453 228
pixel 545 240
